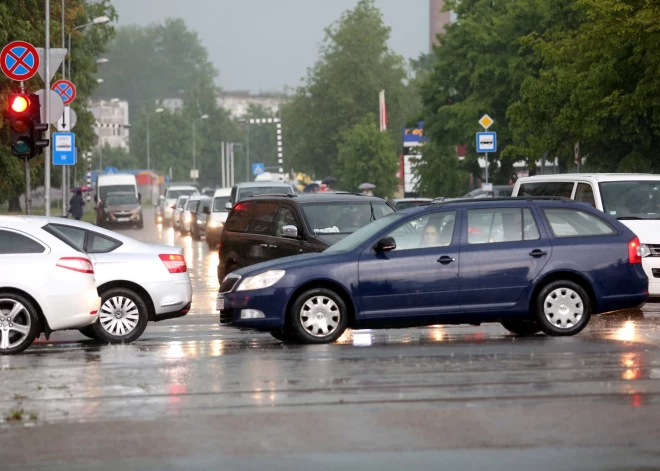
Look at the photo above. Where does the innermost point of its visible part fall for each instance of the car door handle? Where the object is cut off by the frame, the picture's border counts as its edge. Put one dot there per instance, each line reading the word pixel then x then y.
pixel 264 245
pixel 446 260
pixel 538 253
pixel 272 246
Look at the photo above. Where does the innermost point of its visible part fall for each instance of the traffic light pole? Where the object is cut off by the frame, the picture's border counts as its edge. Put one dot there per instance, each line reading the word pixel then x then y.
pixel 46 112
pixel 28 190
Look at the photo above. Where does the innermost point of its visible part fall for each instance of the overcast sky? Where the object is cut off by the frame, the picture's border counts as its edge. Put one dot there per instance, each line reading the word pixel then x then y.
pixel 264 45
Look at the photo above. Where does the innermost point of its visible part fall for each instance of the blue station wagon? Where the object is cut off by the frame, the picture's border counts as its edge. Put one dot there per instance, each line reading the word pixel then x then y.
pixel 531 264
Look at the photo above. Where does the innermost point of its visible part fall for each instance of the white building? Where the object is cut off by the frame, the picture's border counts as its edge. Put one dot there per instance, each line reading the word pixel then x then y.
pixel 236 103
pixel 112 125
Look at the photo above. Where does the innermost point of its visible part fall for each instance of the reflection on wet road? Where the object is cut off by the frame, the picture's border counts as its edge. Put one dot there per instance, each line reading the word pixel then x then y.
pixel 190 393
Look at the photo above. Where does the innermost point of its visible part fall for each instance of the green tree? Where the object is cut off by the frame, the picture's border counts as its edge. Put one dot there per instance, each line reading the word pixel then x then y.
pixel 342 88
pixel 440 173
pixel 366 155
pixel 599 86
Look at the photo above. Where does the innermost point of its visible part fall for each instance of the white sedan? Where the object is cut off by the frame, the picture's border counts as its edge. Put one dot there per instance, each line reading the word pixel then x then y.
pixel 45 285
pixel 138 282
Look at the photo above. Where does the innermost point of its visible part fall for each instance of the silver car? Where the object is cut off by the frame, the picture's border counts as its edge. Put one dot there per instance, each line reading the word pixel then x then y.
pixel 137 282
pixel 177 210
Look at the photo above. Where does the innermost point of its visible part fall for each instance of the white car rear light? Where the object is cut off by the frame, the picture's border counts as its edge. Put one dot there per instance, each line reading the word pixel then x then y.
pixel 78 264
pixel 174 263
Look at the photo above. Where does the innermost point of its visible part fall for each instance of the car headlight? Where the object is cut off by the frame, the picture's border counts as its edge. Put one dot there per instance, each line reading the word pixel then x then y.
pixel 215 224
pixel 263 280
pixel 188 218
pixel 200 222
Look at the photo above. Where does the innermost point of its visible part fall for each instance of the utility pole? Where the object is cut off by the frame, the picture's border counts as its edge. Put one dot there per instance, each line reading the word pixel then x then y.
pixel 47 111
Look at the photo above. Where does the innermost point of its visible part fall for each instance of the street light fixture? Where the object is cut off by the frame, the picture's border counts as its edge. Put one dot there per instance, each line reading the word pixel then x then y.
pixel 157 110
pixel 204 116
pixel 99 80
pixel 102 60
pixel 99 20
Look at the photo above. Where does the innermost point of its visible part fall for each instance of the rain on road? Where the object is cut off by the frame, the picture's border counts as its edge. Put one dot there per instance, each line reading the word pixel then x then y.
pixel 192 394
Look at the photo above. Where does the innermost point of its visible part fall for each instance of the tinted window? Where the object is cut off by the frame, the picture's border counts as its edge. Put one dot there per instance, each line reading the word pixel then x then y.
pixel 219 203
pixel 71 234
pixel 342 217
pixel 504 192
pixel 104 190
pixel 263 218
pixel 361 236
pixel 120 199
pixel 286 218
pixel 632 199
pixel 174 194
pixel 13 243
pixel 202 205
pixel 244 193
pixel 434 230
pixel 585 194
pixel 501 225
pixel 191 205
pixel 239 218
pixel 98 243
pixel 576 223
pixel 564 189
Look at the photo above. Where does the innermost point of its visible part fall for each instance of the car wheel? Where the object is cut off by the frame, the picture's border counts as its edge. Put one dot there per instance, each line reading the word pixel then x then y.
pixel 88 332
pixel 19 323
pixel 522 328
pixel 123 316
pixel 563 308
pixel 318 316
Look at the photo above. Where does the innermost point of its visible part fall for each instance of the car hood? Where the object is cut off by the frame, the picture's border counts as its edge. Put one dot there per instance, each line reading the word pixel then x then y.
pixel 647 231
pixel 331 239
pixel 296 261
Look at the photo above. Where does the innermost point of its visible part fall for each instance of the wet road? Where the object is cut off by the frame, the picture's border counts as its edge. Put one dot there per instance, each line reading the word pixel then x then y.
pixel 193 395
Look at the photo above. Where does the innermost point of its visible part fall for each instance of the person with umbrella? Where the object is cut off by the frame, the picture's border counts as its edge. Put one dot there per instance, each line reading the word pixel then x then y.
pixel 367 189
pixel 76 205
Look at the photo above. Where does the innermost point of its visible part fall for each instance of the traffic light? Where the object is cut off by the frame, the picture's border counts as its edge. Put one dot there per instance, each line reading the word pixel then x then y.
pixel 25 126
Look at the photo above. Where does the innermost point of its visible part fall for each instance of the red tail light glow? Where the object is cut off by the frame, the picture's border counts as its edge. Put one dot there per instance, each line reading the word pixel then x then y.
pixel 81 265
pixel 634 251
pixel 174 263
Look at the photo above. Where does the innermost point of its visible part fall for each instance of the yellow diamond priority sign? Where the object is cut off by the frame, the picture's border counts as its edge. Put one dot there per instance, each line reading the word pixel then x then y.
pixel 486 122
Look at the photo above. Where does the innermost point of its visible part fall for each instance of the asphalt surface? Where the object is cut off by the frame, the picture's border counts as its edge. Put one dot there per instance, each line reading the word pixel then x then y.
pixel 191 394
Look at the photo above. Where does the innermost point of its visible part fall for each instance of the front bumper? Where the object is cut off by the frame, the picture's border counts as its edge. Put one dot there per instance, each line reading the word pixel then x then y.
pixel 651 267
pixel 271 301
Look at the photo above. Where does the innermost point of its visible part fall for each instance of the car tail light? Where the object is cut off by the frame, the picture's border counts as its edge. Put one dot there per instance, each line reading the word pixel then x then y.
pixel 637 251
pixel 78 264
pixel 174 263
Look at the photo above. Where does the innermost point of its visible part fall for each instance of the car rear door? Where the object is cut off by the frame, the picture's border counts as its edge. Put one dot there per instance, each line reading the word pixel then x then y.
pixel 260 243
pixel 503 249
pixel 284 246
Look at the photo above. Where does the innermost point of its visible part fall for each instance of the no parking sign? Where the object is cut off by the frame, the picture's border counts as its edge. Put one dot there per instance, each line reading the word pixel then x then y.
pixel 19 60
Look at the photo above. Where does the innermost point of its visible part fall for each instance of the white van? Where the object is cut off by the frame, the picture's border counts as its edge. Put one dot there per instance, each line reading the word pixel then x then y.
pixel 217 216
pixel 115 183
pixel 634 199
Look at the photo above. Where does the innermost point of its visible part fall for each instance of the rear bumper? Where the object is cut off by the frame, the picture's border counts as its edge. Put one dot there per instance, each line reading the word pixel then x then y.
pixel 173 314
pixel 170 298
pixel 651 264
pixel 71 309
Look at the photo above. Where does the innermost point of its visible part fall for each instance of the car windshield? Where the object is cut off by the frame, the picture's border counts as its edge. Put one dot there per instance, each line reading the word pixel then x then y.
pixel 263 190
pixel 219 204
pixel 631 199
pixel 181 203
pixel 359 237
pixel 174 194
pixel 114 200
pixel 340 217
pixel 105 190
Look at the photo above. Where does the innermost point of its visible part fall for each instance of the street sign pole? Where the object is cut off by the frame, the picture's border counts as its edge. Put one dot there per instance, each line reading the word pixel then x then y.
pixel 46 109
pixel 486 158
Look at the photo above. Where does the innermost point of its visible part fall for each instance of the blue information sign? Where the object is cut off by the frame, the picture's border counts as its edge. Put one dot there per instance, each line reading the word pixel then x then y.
pixel 258 169
pixel 64 148
pixel 486 142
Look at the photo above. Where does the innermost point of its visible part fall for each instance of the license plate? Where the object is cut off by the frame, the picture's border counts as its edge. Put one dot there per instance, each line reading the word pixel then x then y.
pixel 220 303
pixel 123 219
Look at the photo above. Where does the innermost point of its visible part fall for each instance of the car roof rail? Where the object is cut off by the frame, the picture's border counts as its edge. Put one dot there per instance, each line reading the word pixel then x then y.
pixel 563 199
pixel 272 195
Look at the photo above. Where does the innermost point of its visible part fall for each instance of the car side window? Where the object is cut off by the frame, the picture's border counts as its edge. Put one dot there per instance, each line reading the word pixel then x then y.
pixel 73 234
pixel 585 194
pixel 564 189
pixel 97 243
pixel 287 217
pixel 576 223
pixel 239 218
pixel 13 243
pixel 263 218
pixel 433 230
pixel 496 225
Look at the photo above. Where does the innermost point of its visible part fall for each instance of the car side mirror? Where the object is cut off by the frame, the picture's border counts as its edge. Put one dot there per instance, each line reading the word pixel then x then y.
pixel 290 232
pixel 207 211
pixel 229 206
pixel 161 198
pixel 386 244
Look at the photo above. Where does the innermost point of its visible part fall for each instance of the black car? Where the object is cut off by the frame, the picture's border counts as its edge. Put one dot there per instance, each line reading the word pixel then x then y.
pixel 264 228
pixel 199 215
pixel 120 209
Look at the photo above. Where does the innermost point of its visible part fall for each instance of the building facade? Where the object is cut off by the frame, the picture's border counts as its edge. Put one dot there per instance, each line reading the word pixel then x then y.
pixel 237 103
pixel 112 126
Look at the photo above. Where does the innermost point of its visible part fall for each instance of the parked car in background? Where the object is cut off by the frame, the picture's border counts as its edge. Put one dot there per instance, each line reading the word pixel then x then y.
pixel 200 215
pixel 405 203
pixel 217 216
pixel 137 282
pixel 207 191
pixel 177 210
pixel 270 227
pixel 185 220
pixel 498 191
pixel 170 199
pixel 247 190
pixel 120 210
pixel 45 285
pixel 425 266
pixel 115 183
pixel 633 199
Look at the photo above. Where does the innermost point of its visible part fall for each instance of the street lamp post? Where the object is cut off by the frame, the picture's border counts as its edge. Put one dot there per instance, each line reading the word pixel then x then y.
pixel 194 157
pixel 158 110
pixel 100 20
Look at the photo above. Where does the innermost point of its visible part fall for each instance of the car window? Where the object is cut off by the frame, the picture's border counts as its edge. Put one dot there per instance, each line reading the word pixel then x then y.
pixel 287 217
pixel 239 218
pixel 13 243
pixel 576 223
pixel 263 218
pixel 344 217
pixel 174 194
pixel 631 199
pixel 564 189
pixel 434 230
pixel 115 200
pixel 97 243
pixel 73 234
pixel 495 225
pixel 585 194
pixel 191 205
pixel 219 203
pixel 504 192
pixel 181 203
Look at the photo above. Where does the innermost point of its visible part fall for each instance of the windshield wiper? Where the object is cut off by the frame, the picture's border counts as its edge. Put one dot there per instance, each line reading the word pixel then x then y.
pixel 373 216
pixel 630 218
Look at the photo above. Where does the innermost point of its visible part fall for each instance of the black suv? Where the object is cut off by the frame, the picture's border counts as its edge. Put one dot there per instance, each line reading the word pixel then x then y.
pixel 267 227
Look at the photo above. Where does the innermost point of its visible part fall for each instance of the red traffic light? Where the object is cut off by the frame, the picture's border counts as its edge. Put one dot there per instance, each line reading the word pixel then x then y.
pixel 20 104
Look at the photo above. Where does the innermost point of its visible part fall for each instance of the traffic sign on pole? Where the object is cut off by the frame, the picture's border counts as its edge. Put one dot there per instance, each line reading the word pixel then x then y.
pixel 66 90
pixel 55 57
pixel 64 148
pixel 258 169
pixel 19 60
pixel 67 121
pixel 486 142
pixel 486 122
pixel 56 106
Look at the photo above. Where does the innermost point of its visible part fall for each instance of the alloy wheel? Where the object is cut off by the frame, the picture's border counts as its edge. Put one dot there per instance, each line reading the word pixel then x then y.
pixel 15 323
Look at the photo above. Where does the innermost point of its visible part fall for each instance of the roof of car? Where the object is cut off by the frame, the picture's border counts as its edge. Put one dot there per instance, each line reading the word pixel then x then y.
pixel 262 184
pixel 403 200
pixel 318 197
pixel 198 197
pixel 222 192
pixel 182 187
pixel 600 177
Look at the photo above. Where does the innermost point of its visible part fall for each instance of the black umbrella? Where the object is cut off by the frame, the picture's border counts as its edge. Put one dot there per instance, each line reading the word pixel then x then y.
pixel 312 187
pixel 329 180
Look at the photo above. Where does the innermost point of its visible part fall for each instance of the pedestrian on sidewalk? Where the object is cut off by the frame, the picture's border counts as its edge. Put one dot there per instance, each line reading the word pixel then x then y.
pixel 76 205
